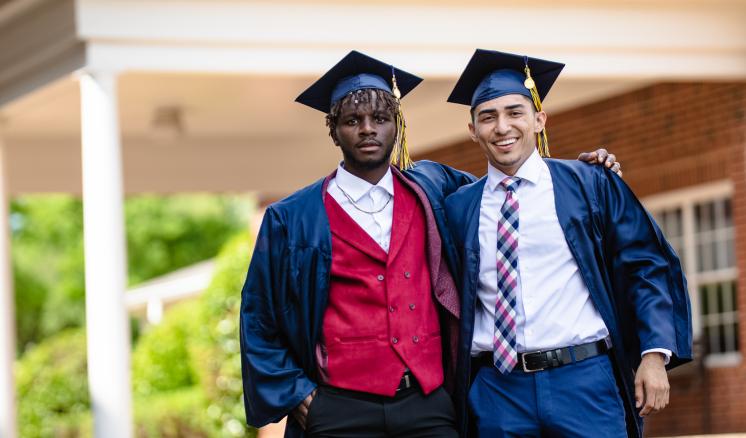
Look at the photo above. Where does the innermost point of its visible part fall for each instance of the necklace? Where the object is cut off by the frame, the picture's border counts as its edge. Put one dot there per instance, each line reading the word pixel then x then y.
pixel 354 204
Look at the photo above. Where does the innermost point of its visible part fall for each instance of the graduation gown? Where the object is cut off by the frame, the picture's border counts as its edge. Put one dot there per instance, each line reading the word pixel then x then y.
pixel 634 277
pixel 286 290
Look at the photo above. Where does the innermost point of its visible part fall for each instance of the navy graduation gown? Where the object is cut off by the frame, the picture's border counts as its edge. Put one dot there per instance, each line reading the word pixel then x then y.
pixel 633 275
pixel 286 289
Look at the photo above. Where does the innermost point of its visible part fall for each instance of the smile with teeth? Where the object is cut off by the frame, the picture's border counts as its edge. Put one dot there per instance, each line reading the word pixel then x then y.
pixel 506 142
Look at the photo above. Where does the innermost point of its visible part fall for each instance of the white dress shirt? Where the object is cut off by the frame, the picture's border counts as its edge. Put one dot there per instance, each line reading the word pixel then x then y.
pixel 367 197
pixel 553 305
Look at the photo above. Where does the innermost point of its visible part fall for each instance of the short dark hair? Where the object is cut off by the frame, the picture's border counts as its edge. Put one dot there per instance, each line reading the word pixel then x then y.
pixel 384 100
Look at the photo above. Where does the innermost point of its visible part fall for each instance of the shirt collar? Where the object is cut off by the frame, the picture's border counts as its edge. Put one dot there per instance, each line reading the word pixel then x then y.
pixel 529 171
pixel 357 187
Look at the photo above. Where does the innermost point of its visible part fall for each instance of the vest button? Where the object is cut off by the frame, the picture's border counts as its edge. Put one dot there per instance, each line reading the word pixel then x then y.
pixel 392 309
pixel 415 339
pixel 394 340
pixel 380 277
pixel 407 274
pixel 411 306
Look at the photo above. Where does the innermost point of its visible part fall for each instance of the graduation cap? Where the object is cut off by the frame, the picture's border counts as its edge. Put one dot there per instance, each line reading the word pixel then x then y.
pixel 491 74
pixel 358 71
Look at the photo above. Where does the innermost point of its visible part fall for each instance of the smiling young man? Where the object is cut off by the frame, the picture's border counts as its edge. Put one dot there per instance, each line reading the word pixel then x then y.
pixel 349 316
pixel 505 129
pixel 568 287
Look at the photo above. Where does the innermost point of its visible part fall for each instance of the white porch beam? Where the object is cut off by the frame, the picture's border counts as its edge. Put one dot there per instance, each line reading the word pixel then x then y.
pixel 443 62
pixel 598 24
pixel 657 39
pixel 107 324
pixel 8 421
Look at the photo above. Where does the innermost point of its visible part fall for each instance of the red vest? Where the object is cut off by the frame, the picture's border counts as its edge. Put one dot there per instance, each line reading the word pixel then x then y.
pixel 381 316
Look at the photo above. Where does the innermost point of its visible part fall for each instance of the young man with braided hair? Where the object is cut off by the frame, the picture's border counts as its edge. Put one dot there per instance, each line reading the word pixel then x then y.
pixel 349 312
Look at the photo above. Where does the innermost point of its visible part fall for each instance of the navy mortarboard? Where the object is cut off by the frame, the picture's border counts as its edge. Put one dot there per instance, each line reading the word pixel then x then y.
pixel 491 74
pixel 357 71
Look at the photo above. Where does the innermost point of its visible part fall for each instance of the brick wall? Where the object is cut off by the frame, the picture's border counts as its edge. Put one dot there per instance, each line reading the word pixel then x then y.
pixel 668 136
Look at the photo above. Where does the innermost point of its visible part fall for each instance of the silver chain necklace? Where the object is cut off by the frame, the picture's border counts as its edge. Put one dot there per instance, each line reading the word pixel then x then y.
pixel 354 204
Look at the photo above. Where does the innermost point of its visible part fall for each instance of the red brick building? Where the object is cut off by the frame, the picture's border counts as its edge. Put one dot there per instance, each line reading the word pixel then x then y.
pixel 683 150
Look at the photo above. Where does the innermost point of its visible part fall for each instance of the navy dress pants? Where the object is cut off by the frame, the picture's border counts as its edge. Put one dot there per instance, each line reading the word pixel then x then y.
pixel 575 400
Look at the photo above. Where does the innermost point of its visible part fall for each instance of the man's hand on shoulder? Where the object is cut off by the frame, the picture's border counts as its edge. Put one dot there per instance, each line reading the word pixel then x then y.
pixel 602 156
pixel 651 384
pixel 300 413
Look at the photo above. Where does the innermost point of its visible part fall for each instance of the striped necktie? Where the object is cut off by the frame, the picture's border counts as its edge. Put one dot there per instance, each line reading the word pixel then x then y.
pixel 505 356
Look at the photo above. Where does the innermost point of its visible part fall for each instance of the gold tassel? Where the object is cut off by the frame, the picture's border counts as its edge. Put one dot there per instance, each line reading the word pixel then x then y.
pixel 542 141
pixel 400 155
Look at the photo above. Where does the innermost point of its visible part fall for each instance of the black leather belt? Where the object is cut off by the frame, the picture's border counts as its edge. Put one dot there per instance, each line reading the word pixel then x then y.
pixel 407 384
pixel 533 361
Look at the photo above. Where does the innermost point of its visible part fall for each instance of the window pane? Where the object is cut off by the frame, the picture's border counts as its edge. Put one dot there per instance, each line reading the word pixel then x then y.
pixel 714 239
pixel 704 303
pixel 721 340
pixel 671 223
pixel 730 252
pixel 719 316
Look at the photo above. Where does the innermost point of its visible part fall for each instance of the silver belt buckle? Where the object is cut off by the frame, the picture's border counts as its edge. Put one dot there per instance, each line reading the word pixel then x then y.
pixel 523 362
pixel 407 383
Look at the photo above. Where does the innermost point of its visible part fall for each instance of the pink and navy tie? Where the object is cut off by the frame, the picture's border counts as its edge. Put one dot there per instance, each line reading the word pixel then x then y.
pixel 505 356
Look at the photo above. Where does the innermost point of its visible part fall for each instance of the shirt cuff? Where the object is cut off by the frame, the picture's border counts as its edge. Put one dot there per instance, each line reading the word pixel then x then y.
pixel 663 351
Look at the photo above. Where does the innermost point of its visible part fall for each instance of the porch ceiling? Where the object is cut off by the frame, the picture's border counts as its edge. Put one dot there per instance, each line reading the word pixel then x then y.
pixel 239 132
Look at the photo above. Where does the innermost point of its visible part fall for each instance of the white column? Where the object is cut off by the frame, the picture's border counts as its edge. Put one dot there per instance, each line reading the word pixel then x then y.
pixel 107 324
pixel 8 421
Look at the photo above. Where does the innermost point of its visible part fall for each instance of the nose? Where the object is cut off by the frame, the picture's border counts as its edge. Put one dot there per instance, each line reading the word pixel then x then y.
pixel 367 127
pixel 502 127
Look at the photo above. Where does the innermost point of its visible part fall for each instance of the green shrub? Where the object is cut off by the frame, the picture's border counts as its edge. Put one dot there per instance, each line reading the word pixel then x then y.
pixel 175 414
pixel 186 371
pixel 53 388
pixel 196 344
pixel 161 360
pixel 216 347
pixel 168 232
pixel 163 233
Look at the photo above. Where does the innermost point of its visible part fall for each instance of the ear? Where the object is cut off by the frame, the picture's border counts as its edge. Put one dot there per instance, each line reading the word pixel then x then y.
pixel 473 133
pixel 333 135
pixel 541 120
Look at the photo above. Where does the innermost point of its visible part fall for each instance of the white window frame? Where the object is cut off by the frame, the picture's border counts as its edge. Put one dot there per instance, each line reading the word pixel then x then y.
pixel 685 199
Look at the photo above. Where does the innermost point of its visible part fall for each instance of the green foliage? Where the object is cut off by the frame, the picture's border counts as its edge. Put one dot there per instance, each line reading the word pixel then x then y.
pixel 30 299
pixel 186 371
pixel 53 389
pixel 217 343
pixel 174 414
pixel 161 360
pixel 164 233
pixel 47 251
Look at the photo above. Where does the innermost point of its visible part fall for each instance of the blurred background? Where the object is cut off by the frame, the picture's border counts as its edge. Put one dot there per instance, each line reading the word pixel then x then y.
pixel 141 139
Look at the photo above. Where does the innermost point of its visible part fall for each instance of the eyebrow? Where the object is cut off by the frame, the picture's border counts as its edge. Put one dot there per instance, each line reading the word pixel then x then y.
pixel 516 106
pixel 507 108
pixel 487 111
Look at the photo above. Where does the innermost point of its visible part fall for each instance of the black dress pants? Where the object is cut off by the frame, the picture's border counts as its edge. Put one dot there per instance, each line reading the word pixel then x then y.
pixel 337 413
